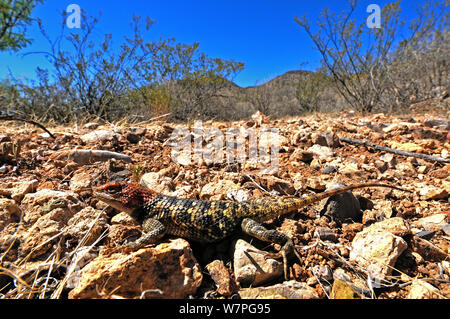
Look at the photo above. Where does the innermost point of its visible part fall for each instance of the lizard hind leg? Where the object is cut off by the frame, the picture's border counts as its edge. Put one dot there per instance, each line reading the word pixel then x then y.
pixel 255 229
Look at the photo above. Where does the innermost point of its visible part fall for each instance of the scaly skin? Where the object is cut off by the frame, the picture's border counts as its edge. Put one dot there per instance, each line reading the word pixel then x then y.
pixel 208 221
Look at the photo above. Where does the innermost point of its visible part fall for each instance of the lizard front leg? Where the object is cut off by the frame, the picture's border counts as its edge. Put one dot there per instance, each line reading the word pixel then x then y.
pixel 255 229
pixel 154 231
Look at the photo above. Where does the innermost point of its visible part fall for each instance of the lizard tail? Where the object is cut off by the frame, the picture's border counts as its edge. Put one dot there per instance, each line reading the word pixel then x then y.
pixel 266 209
pixel 313 198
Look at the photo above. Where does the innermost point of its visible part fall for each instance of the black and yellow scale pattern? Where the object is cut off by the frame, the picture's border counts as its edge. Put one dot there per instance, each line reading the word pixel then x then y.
pixel 206 221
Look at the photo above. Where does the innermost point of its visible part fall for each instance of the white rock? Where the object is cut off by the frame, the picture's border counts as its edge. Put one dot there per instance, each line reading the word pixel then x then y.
pixel 250 266
pixel 422 290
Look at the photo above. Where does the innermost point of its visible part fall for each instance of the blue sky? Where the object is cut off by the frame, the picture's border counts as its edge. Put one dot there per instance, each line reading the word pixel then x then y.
pixel 262 34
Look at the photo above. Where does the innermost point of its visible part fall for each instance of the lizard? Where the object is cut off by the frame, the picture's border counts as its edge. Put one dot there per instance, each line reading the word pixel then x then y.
pixel 210 221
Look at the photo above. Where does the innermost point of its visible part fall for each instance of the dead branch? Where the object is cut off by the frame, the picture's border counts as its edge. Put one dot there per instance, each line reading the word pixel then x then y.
pixel 12 118
pixel 394 151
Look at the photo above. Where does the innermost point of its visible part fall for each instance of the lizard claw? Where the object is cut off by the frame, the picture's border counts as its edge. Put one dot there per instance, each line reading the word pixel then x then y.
pixel 286 250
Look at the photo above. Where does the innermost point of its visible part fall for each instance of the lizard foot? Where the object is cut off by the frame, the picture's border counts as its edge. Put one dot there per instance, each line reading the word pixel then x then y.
pixel 287 249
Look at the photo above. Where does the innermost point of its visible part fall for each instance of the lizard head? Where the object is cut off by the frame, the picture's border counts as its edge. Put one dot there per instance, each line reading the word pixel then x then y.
pixel 123 197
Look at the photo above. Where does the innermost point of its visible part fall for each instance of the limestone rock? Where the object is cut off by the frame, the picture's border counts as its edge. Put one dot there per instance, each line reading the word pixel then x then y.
pixel 157 182
pixel 287 290
pixel 432 222
pixel 378 246
pixel 218 190
pixel 88 223
pixel 80 182
pixel 167 271
pixel 46 214
pixel 250 266
pixel 17 189
pixel 422 290
pixel 225 283
pixel 99 136
pixel 9 212
pixel 322 152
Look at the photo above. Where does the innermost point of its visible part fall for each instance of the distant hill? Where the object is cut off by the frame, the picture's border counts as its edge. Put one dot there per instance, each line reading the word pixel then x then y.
pixel 278 96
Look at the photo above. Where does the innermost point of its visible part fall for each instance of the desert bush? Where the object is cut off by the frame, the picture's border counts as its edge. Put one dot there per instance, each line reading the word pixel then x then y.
pixel 88 78
pixel 369 66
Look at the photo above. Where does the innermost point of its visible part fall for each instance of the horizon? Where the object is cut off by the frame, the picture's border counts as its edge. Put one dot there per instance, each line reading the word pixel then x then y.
pixel 263 35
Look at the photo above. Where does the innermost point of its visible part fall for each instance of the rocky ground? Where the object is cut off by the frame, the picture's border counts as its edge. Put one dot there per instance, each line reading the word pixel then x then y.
pixel 57 241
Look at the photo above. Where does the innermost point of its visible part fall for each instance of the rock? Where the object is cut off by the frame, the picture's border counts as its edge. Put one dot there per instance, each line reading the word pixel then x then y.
pixel 406 168
pixel 441 173
pixel 323 272
pixel 446 229
pixel 381 166
pixel 381 210
pixel 446 266
pixel 395 225
pixel 326 233
pixel 9 212
pixel 157 182
pixel 425 234
pixel 343 290
pixel 99 136
pixel 167 271
pixel 17 189
pixel 329 169
pixel 291 227
pixel 46 214
pixel 357 284
pixel 301 155
pixel 81 182
pixel 324 153
pixel 432 222
pixel 326 139
pixel 390 159
pixel 428 250
pixel 87 225
pixel 267 139
pixel 297 180
pixel 319 139
pixel 407 147
pixel 259 118
pixel 133 138
pixel 378 246
pixel 218 190
pixel 350 169
pixel 332 140
pixel 44 201
pixel 226 286
pixel 430 192
pixel 239 195
pixel 422 290
pixel 316 183
pixel 91 125
pixel 250 266
pixel 287 290
pixel 350 230
pixel 123 218
pixel 279 185
pixel 438 123
pixel 343 207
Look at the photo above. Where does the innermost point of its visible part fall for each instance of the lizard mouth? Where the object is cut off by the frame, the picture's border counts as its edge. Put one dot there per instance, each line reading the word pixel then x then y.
pixel 111 201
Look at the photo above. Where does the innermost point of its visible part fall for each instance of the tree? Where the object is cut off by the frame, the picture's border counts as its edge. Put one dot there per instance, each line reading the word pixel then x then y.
pixel 14 19
pixel 370 66
pixel 135 79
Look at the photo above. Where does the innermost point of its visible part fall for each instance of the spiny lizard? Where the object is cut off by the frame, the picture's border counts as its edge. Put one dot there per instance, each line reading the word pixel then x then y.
pixel 209 221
